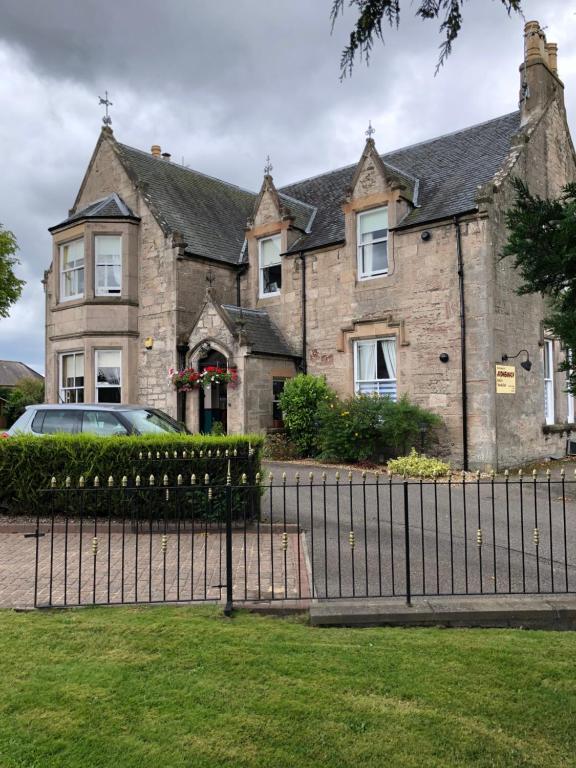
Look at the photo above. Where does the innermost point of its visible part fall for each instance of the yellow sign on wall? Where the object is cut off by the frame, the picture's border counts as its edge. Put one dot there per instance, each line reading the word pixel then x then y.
pixel 506 379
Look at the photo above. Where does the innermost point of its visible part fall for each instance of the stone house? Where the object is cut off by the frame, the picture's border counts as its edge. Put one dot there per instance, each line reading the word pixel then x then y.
pixel 384 276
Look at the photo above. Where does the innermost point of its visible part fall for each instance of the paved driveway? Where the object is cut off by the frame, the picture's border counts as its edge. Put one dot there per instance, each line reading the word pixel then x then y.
pixel 467 538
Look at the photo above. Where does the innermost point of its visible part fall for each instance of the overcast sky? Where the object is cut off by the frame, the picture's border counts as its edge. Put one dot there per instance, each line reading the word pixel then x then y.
pixel 220 84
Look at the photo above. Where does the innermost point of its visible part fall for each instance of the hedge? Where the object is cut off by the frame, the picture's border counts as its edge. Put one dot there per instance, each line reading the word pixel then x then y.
pixel 28 463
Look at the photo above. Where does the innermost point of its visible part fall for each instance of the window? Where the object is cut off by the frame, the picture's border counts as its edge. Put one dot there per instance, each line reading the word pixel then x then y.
pixel 56 422
pixel 72 270
pixel 270 266
pixel 102 423
pixel 146 422
pixel 108 255
pixel 549 381
pixel 72 377
pixel 375 367
pixel 277 389
pixel 571 398
pixel 373 243
pixel 108 376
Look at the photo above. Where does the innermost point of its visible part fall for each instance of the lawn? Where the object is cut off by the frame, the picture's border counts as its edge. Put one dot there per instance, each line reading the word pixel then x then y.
pixel 167 687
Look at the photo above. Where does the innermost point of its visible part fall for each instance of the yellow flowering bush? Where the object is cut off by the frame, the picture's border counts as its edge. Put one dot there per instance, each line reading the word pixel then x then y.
pixel 418 465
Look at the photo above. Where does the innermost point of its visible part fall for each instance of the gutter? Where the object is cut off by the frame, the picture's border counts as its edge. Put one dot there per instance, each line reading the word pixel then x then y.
pixel 304 328
pixel 464 381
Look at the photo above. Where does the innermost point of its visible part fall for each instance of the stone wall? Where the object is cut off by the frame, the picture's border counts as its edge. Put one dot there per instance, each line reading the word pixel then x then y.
pixel 546 162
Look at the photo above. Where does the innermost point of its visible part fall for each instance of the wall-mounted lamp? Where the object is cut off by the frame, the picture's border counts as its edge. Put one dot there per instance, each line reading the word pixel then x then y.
pixel 526 364
pixel 425 236
pixel 444 357
pixel 148 342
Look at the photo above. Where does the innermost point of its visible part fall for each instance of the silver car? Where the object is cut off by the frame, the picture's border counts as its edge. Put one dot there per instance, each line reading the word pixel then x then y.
pixel 105 419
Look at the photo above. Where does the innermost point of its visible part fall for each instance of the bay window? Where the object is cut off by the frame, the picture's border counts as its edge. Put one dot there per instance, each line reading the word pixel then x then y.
pixel 71 375
pixel 270 266
pixel 375 367
pixel 72 270
pixel 108 265
pixel 549 381
pixel 108 365
pixel 372 243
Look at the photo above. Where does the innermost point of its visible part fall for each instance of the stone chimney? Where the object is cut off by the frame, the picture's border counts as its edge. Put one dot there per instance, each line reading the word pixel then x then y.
pixel 156 150
pixel 539 80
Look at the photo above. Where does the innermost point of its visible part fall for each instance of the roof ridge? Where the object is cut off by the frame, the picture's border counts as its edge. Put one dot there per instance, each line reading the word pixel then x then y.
pixel 186 169
pixel 401 149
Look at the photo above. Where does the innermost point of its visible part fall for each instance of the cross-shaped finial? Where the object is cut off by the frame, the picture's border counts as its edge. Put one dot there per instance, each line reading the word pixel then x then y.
pixel 371 131
pixel 210 277
pixel 107 120
pixel 268 167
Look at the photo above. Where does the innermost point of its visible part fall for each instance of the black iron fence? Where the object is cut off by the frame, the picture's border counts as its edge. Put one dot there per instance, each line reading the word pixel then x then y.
pixel 298 539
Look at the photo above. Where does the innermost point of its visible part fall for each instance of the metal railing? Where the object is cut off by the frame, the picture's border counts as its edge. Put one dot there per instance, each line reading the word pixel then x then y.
pixel 300 539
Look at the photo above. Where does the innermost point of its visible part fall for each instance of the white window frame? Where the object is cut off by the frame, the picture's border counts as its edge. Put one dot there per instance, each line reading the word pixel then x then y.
pixel 75 269
pixel 383 387
pixel 100 261
pixel 360 246
pixel 261 269
pixel 99 385
pixel 61 388
pixel 549 381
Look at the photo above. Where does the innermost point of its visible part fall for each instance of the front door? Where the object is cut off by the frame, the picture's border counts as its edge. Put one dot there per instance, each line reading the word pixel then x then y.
pixel 213 399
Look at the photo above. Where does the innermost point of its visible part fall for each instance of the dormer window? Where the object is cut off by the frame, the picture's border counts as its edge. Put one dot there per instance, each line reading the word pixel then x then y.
pixel 108 255
pixel 372 243
pixel 270 266
pixel 72 270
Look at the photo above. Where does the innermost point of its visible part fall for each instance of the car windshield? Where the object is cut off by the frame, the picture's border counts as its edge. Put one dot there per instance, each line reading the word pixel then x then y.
pixel 147 422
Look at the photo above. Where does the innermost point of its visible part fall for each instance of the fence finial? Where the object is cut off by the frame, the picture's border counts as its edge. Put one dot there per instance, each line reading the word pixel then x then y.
pixel 53 483
pixel 243 478
pixel 520 473
pixel 258 478
pixel 534 473
pixel 179 480
pixel 165 480
pixel 151 480
pixel 283 478
pixel 311 477
pixel 506 473
pixel 271 478
pixel 184 454
pixel 110 481
pixel 562 473
pixel 81 481
pixel 337 477
pixel 206 479
pixel 297 478
pixel 138 481
pixel 68 481
pixel 193 479
pixel 96 482
pixel 548 473
pixel 363 475
pixel 324 477
pixel 124 482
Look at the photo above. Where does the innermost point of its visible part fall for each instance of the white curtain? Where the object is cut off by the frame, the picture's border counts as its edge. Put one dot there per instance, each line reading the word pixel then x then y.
pixel 389 352
pixel 366 362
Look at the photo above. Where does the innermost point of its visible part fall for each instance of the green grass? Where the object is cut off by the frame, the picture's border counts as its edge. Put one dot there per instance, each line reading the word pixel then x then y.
pixel 170 687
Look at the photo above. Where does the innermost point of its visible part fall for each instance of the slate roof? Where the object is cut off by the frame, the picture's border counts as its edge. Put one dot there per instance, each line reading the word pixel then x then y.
pixel 111 207
pixel 446 173
pixel 262 335
pixel 11 372
pixel 210 214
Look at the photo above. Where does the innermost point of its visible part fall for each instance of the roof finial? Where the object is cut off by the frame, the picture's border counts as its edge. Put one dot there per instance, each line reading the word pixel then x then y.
pixel 107 120
pixel 268 167
pixel 371 131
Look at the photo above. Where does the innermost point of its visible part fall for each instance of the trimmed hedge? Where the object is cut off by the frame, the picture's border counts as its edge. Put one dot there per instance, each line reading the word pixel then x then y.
pixel 28 463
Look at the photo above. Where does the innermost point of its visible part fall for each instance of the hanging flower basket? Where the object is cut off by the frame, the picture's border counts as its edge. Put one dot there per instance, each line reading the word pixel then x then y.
pixel 189 378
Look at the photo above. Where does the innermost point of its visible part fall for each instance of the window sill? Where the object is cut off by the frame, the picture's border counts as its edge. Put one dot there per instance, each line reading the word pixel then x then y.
pixel 270 295
pixel 558 429
pixel 115 300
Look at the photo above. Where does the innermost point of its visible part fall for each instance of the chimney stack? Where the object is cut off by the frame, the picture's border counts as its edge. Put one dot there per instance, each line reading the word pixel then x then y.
pixel 166 156
pixel 156 150
pixel 539 81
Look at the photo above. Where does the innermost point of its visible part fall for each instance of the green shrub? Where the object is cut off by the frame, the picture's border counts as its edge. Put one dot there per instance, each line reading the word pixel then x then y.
pixel 418 465
pixel 299 402
pixel 27 391
pixel 371 427
pixel 218 429
pixel 28 463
